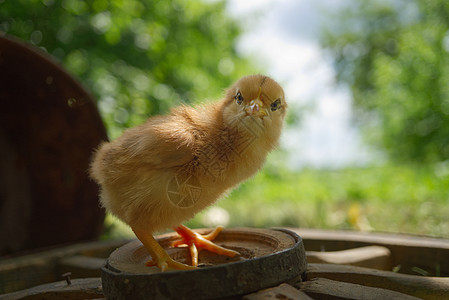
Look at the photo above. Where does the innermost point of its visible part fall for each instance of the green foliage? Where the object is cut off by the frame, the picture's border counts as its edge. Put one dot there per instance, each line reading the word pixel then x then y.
pixel 388 198
pixel 394 55
pixel 138 57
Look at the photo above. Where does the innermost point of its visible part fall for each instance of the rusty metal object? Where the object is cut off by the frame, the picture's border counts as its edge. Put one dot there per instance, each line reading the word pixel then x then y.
pixel 269 258
pixel 66 276
pixel 49 126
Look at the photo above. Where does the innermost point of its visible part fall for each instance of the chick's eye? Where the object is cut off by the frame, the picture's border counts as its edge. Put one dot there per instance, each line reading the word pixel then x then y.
pixel 276 105
pixel 238 98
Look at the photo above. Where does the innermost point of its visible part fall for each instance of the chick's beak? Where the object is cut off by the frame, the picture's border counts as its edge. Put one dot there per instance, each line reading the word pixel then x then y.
pixel 256 108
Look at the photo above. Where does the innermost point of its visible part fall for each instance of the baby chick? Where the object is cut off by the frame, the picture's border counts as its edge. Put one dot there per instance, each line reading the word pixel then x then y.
pixel 161 173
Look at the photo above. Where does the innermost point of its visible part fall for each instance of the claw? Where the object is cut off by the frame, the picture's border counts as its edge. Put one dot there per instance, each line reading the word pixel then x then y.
pixel 159 257
pixel 196 242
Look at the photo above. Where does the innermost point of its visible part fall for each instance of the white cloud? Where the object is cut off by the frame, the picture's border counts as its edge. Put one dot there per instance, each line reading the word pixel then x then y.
pixel 283 36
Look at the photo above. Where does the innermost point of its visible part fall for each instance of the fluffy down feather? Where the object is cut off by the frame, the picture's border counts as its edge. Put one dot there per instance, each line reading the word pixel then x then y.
pixel 163 172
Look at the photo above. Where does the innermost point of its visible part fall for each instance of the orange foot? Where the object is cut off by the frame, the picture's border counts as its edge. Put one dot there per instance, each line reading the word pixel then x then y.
pixel 160 258
pixel 196 242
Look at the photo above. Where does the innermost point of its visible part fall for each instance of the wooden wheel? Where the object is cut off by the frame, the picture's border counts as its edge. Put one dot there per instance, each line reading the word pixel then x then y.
pixel 355 265
pixel 268 257
pixel 342 265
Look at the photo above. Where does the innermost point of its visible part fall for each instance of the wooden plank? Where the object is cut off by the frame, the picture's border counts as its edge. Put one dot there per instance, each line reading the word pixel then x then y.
pixel 375 257
pixel 81 266
pixel 283 291
pixel 322 288
pixel 86 288
pixel 407 252
pixel 418 286
pixel 18 276
pixel 25 271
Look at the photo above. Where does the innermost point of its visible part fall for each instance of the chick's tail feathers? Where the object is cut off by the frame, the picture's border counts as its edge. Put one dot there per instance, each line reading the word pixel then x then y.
pixel 97 165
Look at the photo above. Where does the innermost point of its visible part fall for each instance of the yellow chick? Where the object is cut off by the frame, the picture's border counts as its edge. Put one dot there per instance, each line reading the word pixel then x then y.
pixel 161 173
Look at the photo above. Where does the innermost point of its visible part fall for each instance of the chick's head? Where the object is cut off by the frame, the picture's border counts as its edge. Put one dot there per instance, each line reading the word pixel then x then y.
pixel 256 103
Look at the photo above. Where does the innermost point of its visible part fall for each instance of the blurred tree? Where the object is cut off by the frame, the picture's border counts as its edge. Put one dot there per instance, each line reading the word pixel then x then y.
pixel 139 57
pixel 394 56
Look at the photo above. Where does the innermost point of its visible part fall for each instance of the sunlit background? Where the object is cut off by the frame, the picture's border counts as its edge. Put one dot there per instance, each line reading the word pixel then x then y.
pixel 366 144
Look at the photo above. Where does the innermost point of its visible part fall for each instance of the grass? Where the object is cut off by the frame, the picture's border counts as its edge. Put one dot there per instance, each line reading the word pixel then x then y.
pixel 399 199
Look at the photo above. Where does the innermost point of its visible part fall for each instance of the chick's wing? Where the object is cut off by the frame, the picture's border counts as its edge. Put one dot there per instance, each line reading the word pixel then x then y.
pixel 162 142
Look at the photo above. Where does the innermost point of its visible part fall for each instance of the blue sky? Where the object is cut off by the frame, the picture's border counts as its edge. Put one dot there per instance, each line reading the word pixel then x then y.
pixel 283 36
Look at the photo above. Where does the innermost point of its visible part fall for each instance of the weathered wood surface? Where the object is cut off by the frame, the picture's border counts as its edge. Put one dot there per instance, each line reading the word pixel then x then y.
pixel 85 258
pixel 375 257
pixel 407 252
pixel 47 266
pixel 49 126
pixel 249 242
pixel 322 288
pixel 283 291
pixel 269 258
pixel 81 266
pixel 418 286
pixel 86 288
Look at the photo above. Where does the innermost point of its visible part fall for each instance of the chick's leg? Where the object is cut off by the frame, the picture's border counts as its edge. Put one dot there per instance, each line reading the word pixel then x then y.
pixel 196 241
pixel 158 254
